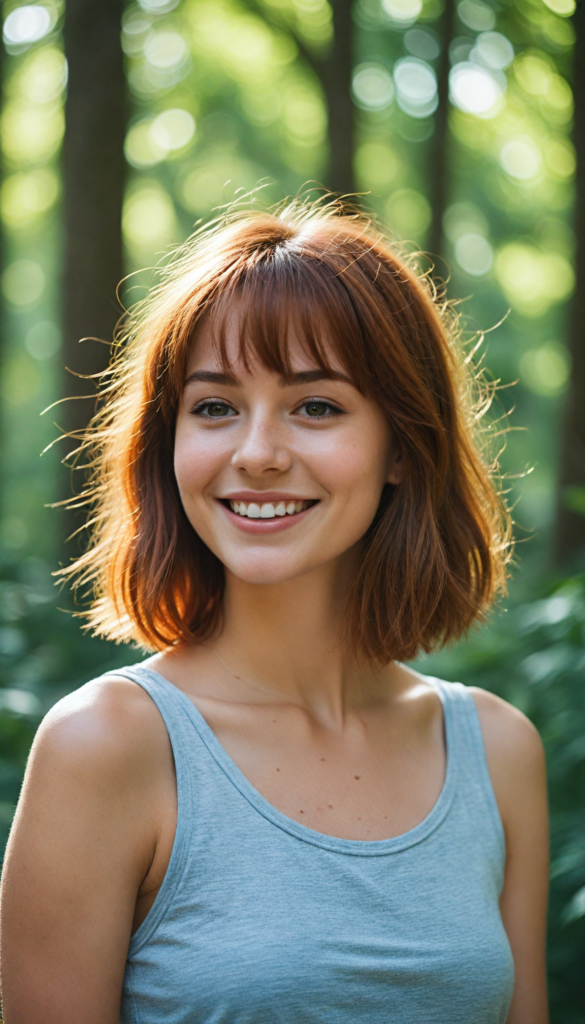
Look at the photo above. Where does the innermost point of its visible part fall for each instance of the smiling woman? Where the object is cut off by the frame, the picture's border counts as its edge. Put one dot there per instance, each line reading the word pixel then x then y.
pixel 272 819
pixel 325 293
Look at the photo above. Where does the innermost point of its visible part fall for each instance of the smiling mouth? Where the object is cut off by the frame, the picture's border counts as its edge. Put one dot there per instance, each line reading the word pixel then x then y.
pixel 268 509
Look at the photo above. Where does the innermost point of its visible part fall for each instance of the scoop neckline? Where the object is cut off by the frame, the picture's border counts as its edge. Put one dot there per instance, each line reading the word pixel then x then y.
pixel 335 844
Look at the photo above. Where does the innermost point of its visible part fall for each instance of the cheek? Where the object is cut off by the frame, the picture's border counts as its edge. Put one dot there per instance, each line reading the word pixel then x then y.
pixel 195 463
pixel 354 462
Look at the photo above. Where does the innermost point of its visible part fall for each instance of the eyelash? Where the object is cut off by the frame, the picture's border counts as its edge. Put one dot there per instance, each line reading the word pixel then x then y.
pixel 205 403
pixel 334 410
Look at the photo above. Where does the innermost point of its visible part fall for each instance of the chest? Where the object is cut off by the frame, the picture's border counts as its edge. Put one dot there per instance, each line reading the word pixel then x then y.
pixel 373 779
pixel 378 777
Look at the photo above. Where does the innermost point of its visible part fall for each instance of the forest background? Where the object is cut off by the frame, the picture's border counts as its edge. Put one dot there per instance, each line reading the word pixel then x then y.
pixel 462 127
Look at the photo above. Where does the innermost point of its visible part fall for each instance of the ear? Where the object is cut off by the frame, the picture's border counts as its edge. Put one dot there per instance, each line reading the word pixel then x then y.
pixel 395 469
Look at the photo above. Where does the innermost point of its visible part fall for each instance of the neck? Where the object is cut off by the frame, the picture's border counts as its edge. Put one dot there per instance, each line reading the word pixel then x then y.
pixel 285 638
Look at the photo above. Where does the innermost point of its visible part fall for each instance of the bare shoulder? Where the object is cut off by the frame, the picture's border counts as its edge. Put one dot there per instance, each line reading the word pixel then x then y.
pixel 515 756
pixel 107 727
pixel 88 829
pixel 507 732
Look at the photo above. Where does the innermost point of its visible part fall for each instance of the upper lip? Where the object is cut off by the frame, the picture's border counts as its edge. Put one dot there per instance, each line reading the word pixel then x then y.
pixel 262 497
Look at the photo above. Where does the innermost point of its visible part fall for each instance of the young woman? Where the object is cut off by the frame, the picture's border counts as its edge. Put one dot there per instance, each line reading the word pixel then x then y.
pixel 273 819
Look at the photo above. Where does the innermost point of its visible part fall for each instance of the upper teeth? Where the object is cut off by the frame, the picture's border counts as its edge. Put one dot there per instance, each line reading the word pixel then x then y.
pixel 268 510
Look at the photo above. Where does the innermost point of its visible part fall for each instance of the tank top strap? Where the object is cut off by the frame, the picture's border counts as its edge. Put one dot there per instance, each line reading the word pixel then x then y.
pixel 173 707
pixel 466 748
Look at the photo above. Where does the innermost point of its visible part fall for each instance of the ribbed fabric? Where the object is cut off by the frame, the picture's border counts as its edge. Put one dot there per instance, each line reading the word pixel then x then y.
pixel 260 920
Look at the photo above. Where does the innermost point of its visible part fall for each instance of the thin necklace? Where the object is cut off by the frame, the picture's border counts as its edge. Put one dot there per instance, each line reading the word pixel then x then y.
pixel 242 679
pixel 222 662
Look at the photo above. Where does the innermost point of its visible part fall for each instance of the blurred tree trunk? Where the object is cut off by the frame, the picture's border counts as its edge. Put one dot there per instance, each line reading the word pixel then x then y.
pixel 570 525
pixel 439 167
pixel 335 72
pixel 94 176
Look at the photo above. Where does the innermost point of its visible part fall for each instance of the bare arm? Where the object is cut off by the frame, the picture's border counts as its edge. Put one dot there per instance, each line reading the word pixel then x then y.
pixel 517 768
pixel 83 840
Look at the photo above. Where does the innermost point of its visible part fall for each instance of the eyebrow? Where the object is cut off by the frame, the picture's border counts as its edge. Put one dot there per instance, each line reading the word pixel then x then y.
pixel 294 380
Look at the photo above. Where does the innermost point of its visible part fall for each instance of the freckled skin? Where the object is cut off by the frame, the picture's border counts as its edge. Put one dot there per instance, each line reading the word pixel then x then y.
pixel 266 441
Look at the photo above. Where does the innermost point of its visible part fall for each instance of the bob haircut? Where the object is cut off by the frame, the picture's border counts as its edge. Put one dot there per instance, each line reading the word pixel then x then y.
pixel 435 555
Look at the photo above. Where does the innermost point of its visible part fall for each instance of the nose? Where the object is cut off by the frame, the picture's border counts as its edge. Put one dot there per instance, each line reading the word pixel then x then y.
pixel 262 448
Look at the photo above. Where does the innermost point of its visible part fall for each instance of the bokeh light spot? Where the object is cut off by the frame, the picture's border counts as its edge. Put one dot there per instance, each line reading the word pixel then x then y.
pixel 409 213
pixel 140 148
pixel 149 217
pixel 560 157
pixel 559 97
pixel 23 283
pixel 165 50
pixel 158 6
pixel 521 159
pixel 402 11
pixel 375 164
pixel 545 370
pixel 422 44
pixel 533 74
pixel 26 25
pixel 304 116
pixel 493 50
pixel 563 7
pixel 463 219
pixel 134 33
pixel 372 87
pixel 474 90
pixel 474 254
pixel 416 87
pixel 152 139
pixel 44 75
pixel 476 15
pixel 31 133
pixel 533 280
pixel 28 195
pixel 173 129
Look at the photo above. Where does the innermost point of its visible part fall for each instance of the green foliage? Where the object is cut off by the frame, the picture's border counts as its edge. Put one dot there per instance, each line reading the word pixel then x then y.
pixel 43 656
pixel 534 657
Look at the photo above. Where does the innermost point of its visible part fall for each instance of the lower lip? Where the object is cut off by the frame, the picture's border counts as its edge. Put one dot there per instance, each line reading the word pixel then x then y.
pixel 265 525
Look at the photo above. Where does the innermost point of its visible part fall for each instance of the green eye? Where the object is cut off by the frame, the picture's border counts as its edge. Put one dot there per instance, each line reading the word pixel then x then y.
pixel 317 408
pixel 213 410
pixel 217 409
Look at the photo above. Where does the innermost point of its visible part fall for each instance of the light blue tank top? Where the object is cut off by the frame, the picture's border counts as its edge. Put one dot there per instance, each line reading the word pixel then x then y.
pixel 261 920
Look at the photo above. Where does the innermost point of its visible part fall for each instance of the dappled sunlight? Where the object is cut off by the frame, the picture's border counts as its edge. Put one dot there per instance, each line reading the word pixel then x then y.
pixel 533 280
pixel 27 196
pixel 148 220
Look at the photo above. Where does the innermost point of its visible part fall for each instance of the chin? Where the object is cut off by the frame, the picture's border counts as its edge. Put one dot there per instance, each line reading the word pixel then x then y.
pixel 266 572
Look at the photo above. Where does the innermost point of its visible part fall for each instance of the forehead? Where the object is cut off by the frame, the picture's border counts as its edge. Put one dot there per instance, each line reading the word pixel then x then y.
pixel 230 344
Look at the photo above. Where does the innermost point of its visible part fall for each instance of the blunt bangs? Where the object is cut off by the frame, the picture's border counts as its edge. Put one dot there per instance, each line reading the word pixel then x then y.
pixel 282 296
pixel 435 556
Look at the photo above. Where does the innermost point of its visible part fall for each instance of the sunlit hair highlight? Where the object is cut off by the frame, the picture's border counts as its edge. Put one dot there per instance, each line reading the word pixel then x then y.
pixel 436 554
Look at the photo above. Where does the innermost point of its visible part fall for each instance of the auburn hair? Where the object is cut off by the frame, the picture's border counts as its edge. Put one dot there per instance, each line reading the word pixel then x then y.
pixel 435 554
